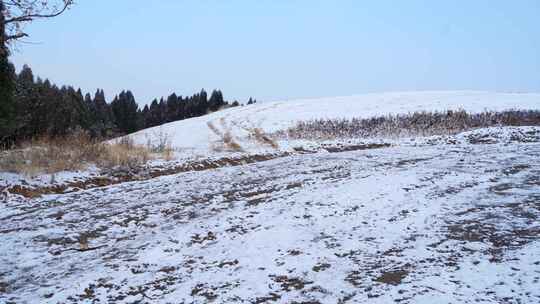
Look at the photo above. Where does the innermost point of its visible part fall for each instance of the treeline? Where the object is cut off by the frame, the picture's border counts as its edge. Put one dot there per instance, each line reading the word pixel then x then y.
pixel 44 109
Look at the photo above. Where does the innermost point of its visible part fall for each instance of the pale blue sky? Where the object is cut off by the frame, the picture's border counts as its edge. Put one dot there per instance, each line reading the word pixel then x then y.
pixel 283 49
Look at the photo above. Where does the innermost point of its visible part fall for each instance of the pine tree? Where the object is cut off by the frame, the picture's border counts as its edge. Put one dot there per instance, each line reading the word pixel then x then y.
pixel 173 106
pixel 102 119
pixel 153 119
pixel 125 110
pixel 216 100
pixel 26 99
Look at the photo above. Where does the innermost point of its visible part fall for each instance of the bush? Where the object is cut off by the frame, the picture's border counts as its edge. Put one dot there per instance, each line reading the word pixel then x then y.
pixel 408 125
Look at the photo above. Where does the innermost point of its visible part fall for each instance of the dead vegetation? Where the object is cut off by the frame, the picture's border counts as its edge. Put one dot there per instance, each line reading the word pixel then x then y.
pixel 161 143
pixel 75 152
pixel 408 125
pixel 261 137
pixel 227 141
pixel 138 173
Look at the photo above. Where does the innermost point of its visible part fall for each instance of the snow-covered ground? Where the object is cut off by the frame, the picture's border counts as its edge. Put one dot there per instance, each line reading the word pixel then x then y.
pixel 442 219
pixel 445 220
pixel 194 136
pixel 201 138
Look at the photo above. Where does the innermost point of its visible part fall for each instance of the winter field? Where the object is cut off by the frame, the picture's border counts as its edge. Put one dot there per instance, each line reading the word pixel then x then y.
pixel 440 219
pixel 275 116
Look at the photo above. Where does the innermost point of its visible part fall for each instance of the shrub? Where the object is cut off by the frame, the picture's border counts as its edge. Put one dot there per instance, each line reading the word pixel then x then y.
pixel 412 124
pixel 161 143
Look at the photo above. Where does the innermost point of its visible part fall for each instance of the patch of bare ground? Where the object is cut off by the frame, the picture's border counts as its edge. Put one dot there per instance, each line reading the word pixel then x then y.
pixel 347 148
pixel 140 173
pixel 211 293
pixel 272 297
pixel 321 267
pixel 392 277
pixel 290 283
pixel 200 239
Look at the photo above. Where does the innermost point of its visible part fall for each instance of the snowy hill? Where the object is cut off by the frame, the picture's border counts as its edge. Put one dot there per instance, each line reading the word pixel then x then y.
pixel 195 135
pixel 436 219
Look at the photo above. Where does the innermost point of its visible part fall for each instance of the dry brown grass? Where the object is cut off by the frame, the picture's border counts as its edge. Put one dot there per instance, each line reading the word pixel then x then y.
pixel 261 137
pixel 406 125
pixel 71 153
pixel 228 142
pixel 160 143
pixel 124 153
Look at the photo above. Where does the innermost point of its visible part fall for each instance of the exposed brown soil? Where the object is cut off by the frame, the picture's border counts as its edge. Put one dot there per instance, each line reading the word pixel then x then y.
pixel 291 283
pixel 337 149
pixel 144 173
pixel 137 174
pixel 392 277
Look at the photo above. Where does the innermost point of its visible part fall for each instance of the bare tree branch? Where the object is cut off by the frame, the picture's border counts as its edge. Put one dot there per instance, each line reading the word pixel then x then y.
pixel 14 37
pixel 31 17
pixel 17 13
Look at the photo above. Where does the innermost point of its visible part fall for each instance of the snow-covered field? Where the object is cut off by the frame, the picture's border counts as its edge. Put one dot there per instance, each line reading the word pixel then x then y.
pixel 417 223
pixel 193 137
pixel 444 219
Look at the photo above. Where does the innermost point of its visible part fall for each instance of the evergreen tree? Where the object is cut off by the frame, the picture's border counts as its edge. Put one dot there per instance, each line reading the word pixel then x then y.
pixel 125 110
pixel 26 98
pixel 40 108
pixel 216 100
pixel 162 111
pixel 173 107
pixel 153 119
pixel 103 118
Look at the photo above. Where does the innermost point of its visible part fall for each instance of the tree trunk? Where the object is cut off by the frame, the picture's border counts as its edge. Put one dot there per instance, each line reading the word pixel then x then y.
pixel 3 49
pixel 6 83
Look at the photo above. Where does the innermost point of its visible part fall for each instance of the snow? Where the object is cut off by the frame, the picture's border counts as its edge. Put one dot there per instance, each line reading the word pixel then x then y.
pixel 42 179
pixel 441 219
pixel 416 223
pixel 194 137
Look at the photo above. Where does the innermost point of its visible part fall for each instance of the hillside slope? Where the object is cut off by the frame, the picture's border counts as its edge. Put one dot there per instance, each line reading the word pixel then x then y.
pixel 434 223
pixel 196 135
pixel 439 219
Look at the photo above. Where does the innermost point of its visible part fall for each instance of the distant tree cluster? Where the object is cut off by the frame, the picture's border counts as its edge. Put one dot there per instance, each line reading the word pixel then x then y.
pixel 177 107
pixel 32 107
pixel 43 109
